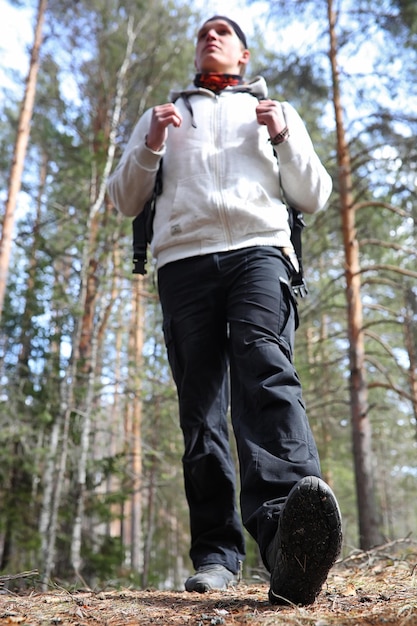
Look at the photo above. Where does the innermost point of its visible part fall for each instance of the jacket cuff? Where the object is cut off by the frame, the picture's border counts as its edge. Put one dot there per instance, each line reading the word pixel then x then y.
pixel 148 159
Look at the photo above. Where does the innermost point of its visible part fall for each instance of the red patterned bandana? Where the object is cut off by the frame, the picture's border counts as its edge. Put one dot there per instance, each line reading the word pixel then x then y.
pixel 217 82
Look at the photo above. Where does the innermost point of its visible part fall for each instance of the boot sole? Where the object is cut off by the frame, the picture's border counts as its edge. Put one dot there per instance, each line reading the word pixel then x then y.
pixel 309 540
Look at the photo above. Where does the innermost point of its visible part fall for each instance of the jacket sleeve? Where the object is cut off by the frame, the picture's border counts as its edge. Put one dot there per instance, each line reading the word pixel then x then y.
pixel 132 182
pixel 306 183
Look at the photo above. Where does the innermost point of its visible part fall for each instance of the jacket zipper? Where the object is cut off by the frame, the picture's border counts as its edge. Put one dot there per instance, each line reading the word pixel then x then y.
pixel 222 204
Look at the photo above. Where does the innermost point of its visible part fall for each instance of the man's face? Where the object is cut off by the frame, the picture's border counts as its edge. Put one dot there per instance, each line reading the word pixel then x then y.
pixel 219 49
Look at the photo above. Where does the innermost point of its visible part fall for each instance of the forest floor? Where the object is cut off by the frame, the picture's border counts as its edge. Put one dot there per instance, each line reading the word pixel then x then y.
pixel 366 589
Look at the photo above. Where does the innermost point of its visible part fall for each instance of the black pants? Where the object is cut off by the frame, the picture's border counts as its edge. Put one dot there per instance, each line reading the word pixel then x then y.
pixel 232 316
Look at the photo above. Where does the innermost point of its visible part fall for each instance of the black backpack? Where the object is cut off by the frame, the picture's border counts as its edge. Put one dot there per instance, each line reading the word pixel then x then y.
pixel 142 226
pixel 143 231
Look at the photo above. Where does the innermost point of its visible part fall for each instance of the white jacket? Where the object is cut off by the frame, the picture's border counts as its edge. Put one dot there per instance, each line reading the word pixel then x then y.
pixel 221 178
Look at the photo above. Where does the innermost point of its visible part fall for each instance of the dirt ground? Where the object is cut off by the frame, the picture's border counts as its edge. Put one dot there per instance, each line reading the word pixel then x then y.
pixel 366 589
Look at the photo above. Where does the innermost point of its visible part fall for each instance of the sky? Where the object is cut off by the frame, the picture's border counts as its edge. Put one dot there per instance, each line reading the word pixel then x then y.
pixel 16 34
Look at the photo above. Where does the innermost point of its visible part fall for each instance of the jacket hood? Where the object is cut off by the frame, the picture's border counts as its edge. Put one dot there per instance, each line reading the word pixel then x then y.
pixel 257 87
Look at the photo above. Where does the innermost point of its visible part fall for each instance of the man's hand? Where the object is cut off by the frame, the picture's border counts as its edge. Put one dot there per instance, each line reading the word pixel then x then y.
pixel 162 116
pixel 269 113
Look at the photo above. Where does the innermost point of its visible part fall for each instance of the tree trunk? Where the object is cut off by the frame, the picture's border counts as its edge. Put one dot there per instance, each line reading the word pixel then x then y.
pixel 136 549
pixel 151 493
pixel 19 153
pixel 369 516
pixel 85 348
pixel 410 342
pixel 84 451
pixel 57 453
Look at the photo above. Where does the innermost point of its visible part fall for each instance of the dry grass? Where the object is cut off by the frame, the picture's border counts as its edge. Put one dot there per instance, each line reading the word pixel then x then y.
pixel 366 589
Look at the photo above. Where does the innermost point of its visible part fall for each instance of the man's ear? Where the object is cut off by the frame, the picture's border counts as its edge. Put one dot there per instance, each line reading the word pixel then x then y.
pixel 244 60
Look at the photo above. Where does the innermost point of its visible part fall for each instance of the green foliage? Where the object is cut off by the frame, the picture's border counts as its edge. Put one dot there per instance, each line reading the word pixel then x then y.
pixel 104 561
pixel 403 23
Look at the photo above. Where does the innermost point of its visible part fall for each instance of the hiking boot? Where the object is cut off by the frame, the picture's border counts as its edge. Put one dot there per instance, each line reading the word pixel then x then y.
pixel 306 545
pixel 210 577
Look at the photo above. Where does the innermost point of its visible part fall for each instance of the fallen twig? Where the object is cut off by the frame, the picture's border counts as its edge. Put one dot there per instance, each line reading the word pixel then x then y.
pixel 7 577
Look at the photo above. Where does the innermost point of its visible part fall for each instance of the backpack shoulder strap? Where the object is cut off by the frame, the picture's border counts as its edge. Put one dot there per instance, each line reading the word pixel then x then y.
pixel 142 227
pixel 297 223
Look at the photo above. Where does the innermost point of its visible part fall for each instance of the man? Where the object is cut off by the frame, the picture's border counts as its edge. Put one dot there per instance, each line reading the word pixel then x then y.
pixel 224 258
